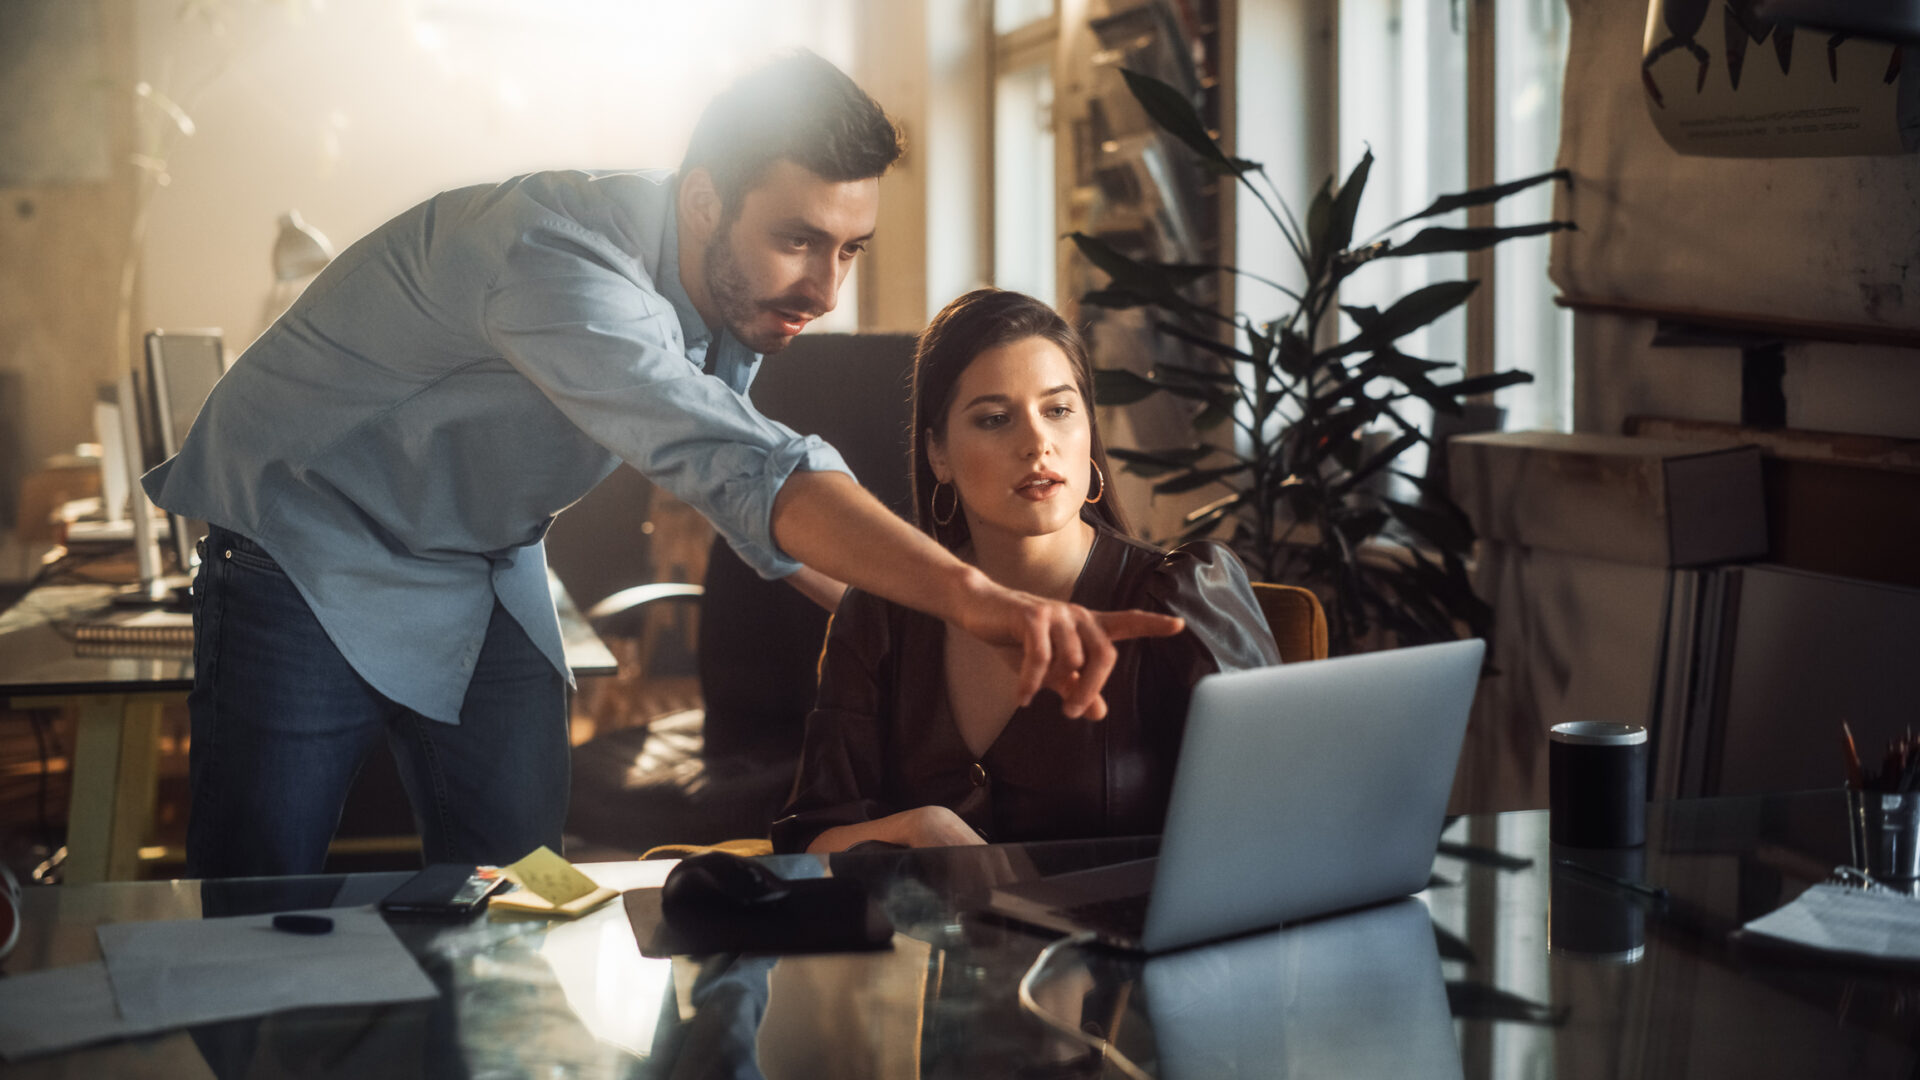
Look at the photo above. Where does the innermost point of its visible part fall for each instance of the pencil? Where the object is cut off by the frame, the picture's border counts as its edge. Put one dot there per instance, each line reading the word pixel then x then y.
pixel 1854 778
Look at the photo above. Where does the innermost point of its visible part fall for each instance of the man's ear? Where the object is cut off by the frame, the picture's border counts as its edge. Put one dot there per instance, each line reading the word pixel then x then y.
pixel 936 456
pixel 699 203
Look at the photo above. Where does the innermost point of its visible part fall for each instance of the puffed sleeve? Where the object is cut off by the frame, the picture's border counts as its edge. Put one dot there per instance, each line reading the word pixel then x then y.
pixel 842 761
pixel 1204 583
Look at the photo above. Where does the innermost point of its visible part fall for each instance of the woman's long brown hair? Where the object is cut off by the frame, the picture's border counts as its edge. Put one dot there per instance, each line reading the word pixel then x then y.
pixel 981 320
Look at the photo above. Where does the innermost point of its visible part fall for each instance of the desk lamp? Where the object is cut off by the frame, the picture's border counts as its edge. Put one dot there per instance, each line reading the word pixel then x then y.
pixel 299 252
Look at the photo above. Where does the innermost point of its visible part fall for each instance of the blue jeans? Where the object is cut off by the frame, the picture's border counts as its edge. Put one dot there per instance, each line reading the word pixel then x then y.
pixel 281 723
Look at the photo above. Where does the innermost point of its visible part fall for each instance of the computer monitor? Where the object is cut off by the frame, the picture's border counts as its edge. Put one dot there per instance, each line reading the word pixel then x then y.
pixel 182 366
pixel 152 587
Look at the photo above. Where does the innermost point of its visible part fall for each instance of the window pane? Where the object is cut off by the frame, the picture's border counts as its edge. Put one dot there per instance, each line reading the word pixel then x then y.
pixel 1531 334
pixel 1023 230
pixel 1403 92
pixel 1014 14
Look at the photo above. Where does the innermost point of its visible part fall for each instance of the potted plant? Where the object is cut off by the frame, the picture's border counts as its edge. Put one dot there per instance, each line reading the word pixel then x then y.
pixel 1302 481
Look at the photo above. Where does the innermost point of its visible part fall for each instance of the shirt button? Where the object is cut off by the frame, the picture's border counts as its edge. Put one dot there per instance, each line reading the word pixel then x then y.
pixel 978 774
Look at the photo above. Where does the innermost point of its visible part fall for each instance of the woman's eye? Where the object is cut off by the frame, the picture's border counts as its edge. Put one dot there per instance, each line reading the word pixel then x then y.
pixel 992 420
pixel 1060 412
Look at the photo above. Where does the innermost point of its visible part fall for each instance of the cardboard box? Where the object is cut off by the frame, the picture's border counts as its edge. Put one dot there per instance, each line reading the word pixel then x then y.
pixel 1652 502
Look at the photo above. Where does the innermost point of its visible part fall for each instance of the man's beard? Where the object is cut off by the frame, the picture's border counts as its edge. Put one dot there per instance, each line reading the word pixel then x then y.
pixel 732 294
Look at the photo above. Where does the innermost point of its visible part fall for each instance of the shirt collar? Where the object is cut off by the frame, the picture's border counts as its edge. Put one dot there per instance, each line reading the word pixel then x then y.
pixel 692 327
pixel 728 358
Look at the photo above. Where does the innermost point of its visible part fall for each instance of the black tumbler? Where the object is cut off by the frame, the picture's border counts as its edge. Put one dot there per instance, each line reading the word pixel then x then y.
pixel 1597 784
pixel 1591 918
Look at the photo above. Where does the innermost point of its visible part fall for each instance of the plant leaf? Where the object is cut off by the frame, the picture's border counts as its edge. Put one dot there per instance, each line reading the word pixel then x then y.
pixel 1118 386
pixel 1320 224
pixel 1347 204
pixel 1218 411
pixel 1482 196
pixel 1176 115
pixel 1480 1001
pixel 1178 458
pixel 1438 238
pixel 1362 317
pixel 1198 478
pixel 1218 348
pixel 1294 355
pixel 1149 280
pixel 1438 529
pixel 1486 384
pixel 1407 314
pixel 1452 948
pixel 1150 464
pixel 1377 462
pixel 1175 373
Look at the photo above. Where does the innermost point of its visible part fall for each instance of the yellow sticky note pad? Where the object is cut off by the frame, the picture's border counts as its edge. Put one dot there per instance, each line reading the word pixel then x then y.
pixel 550 877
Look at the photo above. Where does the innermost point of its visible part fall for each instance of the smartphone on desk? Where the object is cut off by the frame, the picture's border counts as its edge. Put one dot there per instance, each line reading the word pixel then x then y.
pixel 451 891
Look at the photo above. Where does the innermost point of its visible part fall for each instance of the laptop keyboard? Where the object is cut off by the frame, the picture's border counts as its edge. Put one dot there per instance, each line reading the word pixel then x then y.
pixel 1121 916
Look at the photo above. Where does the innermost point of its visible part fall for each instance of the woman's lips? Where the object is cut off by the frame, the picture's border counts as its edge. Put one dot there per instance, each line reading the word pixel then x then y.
pixel 1040 488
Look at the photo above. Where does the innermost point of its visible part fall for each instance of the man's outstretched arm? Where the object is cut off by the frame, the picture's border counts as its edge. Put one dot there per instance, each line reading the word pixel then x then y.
pixel 831 523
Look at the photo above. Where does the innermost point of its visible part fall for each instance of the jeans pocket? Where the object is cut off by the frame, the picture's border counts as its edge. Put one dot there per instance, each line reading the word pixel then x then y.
pixel 245 553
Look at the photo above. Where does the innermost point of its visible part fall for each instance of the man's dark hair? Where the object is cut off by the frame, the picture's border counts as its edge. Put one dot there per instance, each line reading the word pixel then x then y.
pixel 796 106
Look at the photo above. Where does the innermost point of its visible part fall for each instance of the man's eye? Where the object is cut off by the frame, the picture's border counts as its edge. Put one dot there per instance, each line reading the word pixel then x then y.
pixel 853 251
pixel 797 243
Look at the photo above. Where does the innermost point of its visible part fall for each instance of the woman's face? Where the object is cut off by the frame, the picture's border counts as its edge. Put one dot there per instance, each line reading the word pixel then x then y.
pixel 1018 442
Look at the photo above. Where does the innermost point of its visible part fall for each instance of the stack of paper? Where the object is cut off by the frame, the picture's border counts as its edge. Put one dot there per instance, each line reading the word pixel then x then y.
pixel 162 975
pixel 1847 920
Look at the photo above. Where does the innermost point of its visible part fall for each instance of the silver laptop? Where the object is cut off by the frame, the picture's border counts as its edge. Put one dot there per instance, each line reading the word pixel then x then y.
pixel 1358 996
pixel 1301 790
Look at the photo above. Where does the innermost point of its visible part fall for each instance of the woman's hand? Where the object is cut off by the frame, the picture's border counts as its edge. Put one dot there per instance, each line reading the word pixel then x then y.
pixel 933 826
pixel 922 826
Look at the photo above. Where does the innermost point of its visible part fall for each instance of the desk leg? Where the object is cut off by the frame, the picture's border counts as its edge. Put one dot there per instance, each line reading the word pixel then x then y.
pixel 115 752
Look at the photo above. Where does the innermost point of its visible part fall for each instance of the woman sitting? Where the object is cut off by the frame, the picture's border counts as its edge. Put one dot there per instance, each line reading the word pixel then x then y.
pixel 916 738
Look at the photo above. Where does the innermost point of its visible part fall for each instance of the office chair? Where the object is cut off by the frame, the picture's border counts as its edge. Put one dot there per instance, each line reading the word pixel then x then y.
pixel 1298 622
pixel 723 771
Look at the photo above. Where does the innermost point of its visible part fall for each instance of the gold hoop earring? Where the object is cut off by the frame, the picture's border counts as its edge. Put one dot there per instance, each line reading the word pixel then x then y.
pixel 933 504
pixel 1100 476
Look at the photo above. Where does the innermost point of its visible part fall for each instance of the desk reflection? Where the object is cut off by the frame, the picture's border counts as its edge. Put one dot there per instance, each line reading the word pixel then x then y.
pixel 1355 996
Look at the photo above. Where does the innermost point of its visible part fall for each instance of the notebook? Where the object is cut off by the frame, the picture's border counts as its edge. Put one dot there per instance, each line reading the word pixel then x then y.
pixel 1848 920
pixel 1310 1000
pixel 1301 790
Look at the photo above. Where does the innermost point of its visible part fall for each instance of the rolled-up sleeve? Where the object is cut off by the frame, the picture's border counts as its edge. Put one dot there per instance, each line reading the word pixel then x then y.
pixel 580 319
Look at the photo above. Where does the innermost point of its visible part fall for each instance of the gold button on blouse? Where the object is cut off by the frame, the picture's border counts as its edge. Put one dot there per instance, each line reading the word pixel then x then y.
pixel 978 774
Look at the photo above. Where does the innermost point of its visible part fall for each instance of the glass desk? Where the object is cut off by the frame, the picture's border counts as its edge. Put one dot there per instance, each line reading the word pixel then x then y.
pixel 1506 966
pixel 118 692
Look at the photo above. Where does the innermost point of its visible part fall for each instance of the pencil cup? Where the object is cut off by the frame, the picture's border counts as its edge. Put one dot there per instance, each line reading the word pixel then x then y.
pixel 1597 784
pixel 1885 827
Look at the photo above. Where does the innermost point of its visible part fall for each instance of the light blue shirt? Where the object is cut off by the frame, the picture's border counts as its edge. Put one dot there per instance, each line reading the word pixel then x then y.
pixel 400 440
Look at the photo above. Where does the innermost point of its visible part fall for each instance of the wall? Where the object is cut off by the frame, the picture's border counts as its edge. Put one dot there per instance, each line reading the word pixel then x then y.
pixel 62 242
pixel 348 111
pixel 1832 240
pixel 1822 240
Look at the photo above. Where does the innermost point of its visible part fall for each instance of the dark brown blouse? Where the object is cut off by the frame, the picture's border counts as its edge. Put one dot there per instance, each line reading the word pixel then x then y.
pixel 881 737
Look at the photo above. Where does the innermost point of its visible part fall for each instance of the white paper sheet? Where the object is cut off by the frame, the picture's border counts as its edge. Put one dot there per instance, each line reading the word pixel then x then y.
pixel 191 971
pixel 1839 919
pixel 44 1011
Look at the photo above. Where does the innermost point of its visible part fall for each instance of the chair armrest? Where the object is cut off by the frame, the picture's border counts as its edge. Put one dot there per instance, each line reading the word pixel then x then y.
pixel 624 609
